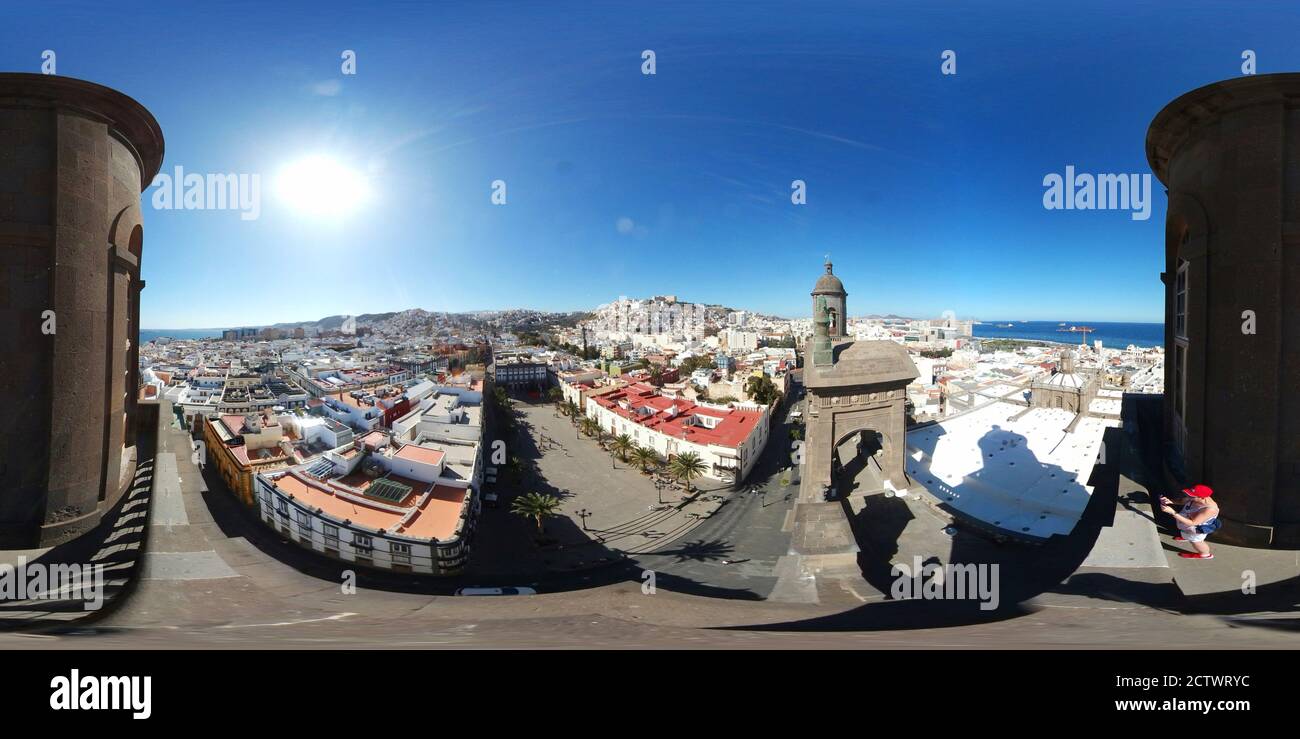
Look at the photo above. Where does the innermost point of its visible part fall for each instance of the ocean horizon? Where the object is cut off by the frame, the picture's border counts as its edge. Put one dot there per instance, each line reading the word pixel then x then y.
pixel 1113 334
pixel 149 334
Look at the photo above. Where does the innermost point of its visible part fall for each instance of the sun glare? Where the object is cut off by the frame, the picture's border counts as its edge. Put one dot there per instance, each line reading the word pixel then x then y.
pixel 321 186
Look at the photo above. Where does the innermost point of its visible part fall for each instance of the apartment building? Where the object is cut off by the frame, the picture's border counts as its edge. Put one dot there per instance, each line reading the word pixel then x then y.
pixel 403 507
pixel 729 440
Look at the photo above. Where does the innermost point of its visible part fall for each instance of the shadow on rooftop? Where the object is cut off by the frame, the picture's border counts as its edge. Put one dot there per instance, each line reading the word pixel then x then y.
pixel 891 530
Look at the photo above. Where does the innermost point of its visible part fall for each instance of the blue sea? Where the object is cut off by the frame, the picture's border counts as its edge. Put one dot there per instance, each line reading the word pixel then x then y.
pixel 1112 335
pixel 149 334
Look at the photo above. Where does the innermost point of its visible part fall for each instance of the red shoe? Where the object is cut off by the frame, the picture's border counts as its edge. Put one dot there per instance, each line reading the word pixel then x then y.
pixel 1179 538
pixel 1195 555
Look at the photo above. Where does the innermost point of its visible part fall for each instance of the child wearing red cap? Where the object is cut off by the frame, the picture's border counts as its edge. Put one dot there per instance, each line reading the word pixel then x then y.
pixel 1198 518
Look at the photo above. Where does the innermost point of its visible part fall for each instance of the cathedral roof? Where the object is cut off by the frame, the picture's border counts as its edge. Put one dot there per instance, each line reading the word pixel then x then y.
pixel 1065 380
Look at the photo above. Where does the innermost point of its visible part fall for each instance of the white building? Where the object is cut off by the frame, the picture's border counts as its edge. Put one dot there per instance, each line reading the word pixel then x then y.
pixel 741 340
pixel 411 509
pixel 450 413
pixel 729 440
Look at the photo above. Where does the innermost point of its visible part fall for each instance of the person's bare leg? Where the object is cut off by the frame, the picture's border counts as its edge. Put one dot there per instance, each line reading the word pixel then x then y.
pixel 1201 547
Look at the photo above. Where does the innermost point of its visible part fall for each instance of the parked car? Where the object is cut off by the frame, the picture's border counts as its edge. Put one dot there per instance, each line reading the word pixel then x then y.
pixel 496 591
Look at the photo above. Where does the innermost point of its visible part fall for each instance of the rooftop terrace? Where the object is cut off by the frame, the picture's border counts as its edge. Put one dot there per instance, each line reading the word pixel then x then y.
pixel 1014 469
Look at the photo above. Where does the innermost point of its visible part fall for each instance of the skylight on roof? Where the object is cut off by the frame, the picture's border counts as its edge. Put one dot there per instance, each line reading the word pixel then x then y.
pixel 388 490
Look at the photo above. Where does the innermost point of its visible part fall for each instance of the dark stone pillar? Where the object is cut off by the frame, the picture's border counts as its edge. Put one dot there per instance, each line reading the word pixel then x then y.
pixel 74 158
pixel 1228 154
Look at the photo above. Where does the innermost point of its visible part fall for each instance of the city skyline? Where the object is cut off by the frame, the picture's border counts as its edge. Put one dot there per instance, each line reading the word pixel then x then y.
pixel 674 183
pixel 853 316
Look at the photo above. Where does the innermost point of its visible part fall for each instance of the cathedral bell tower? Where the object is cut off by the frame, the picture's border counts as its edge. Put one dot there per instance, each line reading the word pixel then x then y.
pixel 831 289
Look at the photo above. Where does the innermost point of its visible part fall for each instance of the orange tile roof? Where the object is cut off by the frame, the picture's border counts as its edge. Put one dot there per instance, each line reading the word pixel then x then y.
pixel 439 516
pixel 335 507
pixel 734 426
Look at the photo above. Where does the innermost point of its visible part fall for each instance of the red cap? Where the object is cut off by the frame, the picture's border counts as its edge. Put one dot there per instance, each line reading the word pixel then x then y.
pixel 1199 491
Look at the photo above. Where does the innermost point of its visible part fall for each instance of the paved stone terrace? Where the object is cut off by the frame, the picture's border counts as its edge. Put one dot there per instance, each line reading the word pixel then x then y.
pixel 273 600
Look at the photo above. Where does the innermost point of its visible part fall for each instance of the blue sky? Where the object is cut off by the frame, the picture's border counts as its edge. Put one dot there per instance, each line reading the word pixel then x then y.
pixel 925 189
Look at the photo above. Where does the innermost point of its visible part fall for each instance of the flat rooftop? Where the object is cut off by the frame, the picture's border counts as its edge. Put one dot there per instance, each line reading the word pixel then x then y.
pixel 1012 468
pixel 424 455
pixel 432 516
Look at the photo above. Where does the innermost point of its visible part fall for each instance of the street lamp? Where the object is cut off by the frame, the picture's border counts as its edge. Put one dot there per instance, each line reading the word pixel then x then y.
pixel 583 513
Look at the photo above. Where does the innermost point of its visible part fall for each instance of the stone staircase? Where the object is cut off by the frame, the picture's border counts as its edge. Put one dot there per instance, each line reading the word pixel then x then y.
pixel 107 558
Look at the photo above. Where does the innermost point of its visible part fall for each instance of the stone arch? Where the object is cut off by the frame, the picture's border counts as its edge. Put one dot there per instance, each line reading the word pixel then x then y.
pixel 126 235
pixel 136 244
pixel 872 437
pixel 122 323
pixel 847 425
pixel 859 458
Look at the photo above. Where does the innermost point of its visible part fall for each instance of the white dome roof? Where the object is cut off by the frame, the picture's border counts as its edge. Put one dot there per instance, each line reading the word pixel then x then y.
pixel 1065 379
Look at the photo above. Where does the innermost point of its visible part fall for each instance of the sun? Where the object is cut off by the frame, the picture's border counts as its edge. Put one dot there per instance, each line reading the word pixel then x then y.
pixel 319 185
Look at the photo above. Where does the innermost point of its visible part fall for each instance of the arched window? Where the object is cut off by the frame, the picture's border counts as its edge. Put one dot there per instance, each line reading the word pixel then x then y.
pixel 136 244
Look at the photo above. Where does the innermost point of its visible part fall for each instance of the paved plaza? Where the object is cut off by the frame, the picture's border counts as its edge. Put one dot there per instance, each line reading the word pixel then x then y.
pixel 624 513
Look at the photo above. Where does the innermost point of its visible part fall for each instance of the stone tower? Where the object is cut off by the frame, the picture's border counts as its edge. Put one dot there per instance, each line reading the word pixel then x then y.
pixel 1067 361
pixel 1228 154
pixel 856 391
pixel 853 387
pixel 74 159
pixel 829 287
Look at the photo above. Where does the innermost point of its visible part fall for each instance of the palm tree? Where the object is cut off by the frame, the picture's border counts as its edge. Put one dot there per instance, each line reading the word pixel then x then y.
pixel 501 397
pixel 645 456
pixel 537 506
pixel 622 444
pixel 570 409
pixel 686 467
pixel 554 394
pixel 589 426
